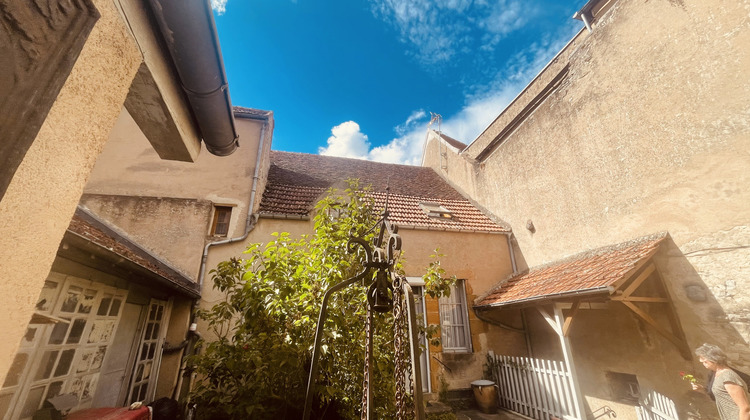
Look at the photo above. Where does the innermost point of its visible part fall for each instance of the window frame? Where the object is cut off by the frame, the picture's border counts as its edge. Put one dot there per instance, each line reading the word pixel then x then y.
pixel 457 298
pixel 215 223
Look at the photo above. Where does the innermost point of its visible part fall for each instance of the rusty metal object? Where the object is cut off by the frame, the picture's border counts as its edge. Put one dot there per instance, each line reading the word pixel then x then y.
pixel 386 292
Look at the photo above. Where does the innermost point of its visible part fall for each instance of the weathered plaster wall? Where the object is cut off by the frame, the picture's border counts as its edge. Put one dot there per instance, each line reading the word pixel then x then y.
pixel 480 259
pixel 648 132
pixel 42 196
pixel 129 166
pixel 174 229
pixel 167 205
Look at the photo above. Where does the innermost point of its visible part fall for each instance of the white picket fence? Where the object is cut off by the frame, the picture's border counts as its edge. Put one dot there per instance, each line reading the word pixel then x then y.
pixel 540 389
pixel 655 406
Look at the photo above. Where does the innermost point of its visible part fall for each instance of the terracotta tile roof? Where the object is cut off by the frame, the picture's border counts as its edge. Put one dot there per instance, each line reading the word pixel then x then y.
pixel 404 210
pixel 88 227
pixel 591 271
pixel 296 181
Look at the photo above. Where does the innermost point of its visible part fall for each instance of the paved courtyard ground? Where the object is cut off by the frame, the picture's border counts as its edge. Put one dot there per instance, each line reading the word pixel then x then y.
pixel 478 415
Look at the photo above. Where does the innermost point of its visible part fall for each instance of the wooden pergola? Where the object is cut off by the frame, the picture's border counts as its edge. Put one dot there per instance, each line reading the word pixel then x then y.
pixel 624 273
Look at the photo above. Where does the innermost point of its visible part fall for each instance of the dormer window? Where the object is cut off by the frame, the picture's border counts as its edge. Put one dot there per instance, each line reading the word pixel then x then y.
pixel 436 211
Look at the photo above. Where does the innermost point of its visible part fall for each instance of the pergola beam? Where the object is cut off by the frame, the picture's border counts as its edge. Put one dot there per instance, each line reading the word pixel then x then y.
pixel 569 319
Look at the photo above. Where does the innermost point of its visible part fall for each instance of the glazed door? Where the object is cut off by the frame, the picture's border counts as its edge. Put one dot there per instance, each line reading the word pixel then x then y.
pixel 148 353
pixel 114 372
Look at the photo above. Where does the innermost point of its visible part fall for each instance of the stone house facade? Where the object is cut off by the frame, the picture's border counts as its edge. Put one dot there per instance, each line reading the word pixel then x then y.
pixel 638 127
pixel 79 294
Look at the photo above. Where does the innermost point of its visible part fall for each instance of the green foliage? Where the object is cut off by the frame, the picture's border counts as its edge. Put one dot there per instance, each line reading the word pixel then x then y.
pixel 490 367
pixel 443 389
pixel 258 365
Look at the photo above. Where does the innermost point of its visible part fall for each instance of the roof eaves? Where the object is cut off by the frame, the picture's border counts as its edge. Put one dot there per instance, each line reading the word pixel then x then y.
pixel 449 229
pixel 283 216
pixel 534 299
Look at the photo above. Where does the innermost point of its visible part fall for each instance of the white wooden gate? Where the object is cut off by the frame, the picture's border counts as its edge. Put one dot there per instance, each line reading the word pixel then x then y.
pixel 540 389
pixel 655 406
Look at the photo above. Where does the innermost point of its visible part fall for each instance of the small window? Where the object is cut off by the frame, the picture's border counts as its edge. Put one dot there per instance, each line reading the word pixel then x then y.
pixel 436 211
pixel 454 321
pixel 220 226
pixel 624 387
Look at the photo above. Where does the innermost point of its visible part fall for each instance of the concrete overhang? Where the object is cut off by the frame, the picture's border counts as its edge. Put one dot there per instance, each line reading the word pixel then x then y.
pixel 179 97
pixel 156 100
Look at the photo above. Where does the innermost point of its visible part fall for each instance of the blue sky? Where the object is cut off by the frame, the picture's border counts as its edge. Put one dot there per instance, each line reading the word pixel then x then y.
pixel 359 78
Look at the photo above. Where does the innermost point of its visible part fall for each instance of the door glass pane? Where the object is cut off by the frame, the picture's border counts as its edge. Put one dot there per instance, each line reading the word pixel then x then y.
pixel 89 386
pixel 32 401
pixel 44 304
pixel 58 333
pixel 115 307
pixel 134 394
pixel 54 389
pixel 151 350
pixel 76 331
pixel 98 358
pixel 5 404
pixel 87 357
pixel 47 363
pixel 30 336
pixel 139 373
pixel 66 358
pixel 146 370
pixel 104 305
pixel 88 302
pixel 71 299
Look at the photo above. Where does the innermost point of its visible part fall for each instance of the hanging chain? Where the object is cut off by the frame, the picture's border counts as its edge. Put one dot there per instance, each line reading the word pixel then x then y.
pixel 368 356
pixel 402 368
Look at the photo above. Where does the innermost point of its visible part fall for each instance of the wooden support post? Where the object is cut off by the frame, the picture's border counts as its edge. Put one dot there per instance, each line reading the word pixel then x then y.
pixel 569 319
pixel 578 402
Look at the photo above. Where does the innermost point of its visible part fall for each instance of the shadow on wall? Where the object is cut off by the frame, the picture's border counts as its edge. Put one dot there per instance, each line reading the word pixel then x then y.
pixel 707 287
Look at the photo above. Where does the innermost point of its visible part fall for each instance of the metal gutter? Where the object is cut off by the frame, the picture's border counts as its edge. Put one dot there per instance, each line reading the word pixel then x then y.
pixel 189 32
pixel 414 227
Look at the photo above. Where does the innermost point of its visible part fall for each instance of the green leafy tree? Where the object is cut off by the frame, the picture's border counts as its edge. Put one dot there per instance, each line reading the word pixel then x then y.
pixel 257 366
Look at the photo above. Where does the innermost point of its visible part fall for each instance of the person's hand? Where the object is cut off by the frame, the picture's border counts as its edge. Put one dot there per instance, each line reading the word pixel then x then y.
pixel 697 387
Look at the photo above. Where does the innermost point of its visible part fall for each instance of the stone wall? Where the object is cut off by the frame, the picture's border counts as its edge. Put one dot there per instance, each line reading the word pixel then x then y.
pixel 44 190
pixel 648 131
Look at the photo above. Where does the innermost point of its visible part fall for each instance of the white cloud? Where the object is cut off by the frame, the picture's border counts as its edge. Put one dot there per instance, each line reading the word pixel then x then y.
pixel 437 31
pixel 479 110
pixel 415 118
pixel 346 141
pixel 219 5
